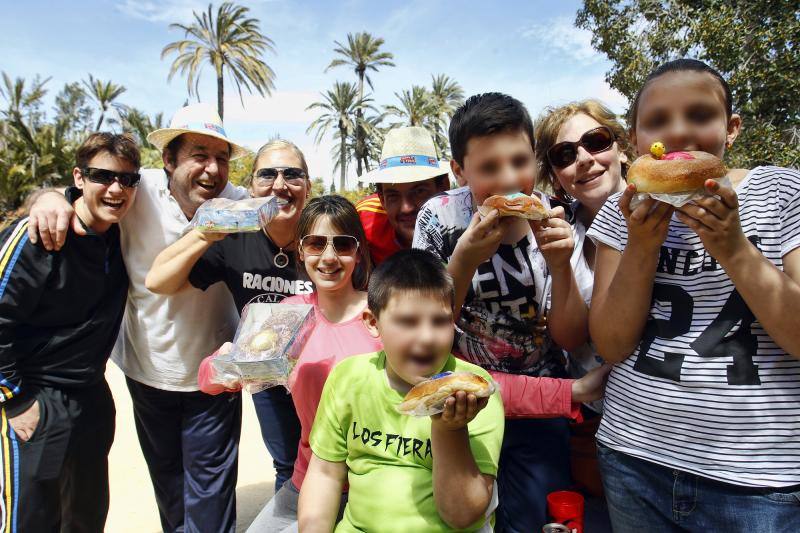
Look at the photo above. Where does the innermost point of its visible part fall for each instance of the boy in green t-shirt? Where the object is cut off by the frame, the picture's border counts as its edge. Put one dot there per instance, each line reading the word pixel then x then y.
pixel 387 458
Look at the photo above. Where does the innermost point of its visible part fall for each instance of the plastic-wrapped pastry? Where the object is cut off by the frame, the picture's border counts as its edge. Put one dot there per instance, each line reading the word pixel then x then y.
pixel 221 215
pixel 268 342
pixel 427 397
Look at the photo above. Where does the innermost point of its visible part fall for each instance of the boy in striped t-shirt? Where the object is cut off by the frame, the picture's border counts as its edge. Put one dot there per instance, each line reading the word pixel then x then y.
pixel 699 307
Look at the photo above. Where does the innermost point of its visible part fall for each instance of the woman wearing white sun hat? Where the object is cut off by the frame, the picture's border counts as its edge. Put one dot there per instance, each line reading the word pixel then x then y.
pixel 189 439
pixel 409 174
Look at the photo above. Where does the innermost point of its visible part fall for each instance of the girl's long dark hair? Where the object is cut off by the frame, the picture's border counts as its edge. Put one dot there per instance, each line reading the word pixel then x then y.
pixel 344 217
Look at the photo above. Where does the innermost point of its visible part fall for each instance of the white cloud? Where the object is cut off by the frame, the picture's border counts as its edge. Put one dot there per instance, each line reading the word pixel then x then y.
pixel 562 35
pixel 163 11
pixel 282 106
pixel 284 114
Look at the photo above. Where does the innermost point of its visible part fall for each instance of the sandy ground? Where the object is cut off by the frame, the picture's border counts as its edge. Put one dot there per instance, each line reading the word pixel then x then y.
pixel 133 506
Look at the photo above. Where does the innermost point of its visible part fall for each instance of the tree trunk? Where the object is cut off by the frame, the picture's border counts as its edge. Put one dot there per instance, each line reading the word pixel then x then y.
pixel 360 151
pixel 100 122
pixel 342 159
pixel 220 93
pixel 359 129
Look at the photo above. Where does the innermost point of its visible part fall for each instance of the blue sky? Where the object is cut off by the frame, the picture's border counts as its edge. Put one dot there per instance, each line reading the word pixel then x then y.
pixel 529 49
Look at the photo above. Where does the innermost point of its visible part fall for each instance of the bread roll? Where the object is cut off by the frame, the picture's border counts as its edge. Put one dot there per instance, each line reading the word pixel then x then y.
pixel 515 205
pixel 428 397
pixel 266 340
pixel 675 172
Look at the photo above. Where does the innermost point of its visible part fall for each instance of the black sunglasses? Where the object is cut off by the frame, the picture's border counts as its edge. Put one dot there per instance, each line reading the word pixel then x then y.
pixel 107 177
pixel 267 176
pixel 344 245
pixel 594 141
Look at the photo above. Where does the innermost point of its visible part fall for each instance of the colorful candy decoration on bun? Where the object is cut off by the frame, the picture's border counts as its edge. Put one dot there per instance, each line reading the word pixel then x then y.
pixel 658 149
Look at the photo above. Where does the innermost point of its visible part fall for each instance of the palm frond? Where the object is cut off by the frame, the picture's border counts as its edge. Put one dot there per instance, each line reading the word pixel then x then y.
pixel 231 42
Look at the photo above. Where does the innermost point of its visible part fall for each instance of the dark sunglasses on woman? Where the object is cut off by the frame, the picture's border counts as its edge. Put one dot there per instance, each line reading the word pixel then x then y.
pixel 291 175
pixel 107 177
pixel 344 245
pixel 594 141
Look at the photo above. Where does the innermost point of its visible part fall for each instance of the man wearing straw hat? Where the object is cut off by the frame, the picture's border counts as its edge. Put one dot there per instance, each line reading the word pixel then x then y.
pixel 409 174
pixel 189 439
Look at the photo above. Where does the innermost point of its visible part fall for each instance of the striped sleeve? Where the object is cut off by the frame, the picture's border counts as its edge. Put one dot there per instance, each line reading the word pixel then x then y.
pixel 790 212
pixel 24 269
pixel 609 225
pixel 371 204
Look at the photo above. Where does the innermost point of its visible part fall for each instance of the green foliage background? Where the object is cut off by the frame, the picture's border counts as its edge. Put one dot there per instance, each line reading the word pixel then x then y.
pixel 753 43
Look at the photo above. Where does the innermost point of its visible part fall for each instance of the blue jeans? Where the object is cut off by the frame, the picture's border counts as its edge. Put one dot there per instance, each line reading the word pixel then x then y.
pixel 644 496
pixel 534 461
pixel 280 429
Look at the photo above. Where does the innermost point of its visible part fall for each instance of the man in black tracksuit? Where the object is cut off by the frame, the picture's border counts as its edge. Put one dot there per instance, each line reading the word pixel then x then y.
pixel 60 314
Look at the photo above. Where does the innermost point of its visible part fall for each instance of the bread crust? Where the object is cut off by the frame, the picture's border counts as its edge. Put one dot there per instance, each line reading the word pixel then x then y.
pixel 651 175
pixel 517 205
pixel 432 392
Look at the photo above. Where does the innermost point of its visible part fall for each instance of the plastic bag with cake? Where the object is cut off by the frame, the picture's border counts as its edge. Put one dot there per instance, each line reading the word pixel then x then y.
pixel 221 215
pixel 427 398
pixel 268 342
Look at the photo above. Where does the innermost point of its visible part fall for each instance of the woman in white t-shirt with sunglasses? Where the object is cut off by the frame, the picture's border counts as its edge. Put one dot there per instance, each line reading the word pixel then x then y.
pixel 582 152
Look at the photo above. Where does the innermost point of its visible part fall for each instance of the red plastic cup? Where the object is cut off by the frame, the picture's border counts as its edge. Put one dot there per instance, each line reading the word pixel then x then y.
pixel 566 507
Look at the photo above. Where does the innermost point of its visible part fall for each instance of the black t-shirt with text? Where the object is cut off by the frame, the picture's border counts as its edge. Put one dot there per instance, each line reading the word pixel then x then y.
pixel 245 262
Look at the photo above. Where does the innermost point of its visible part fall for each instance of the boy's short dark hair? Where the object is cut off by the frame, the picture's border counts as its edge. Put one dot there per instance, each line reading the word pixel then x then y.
pixel 487 114
pixel 119 145
pixel 409 270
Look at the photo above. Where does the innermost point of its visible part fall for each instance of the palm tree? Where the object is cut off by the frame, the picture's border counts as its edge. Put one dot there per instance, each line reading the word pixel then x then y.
pixel 229 39
pixel 363 54
pixel 339 107
pixel 104 93
pixel 32 152
pixel 446 96
pixel 373 141
pixel 416 106
pixel 139 124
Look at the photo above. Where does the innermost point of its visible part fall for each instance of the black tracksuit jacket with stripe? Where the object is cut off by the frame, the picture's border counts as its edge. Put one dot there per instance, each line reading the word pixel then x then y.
pixel 60 312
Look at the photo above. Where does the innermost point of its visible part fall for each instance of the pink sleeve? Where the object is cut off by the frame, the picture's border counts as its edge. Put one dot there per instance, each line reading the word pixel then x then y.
pixel 205 378
pixel 530 397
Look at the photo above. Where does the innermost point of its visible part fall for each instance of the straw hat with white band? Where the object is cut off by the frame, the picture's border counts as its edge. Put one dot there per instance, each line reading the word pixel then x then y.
pixel 408 155
pixel 201 119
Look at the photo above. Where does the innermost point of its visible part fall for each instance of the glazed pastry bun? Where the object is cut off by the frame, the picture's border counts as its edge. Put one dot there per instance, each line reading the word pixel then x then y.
pixel 428 397
pixel 515 205
pixel 674 172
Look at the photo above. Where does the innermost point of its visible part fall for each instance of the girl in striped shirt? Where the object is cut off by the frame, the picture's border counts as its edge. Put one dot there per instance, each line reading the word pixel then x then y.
pixel 700 309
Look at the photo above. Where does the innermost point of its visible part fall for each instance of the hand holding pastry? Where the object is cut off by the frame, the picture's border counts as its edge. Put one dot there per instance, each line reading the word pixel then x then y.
pixel 554 237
